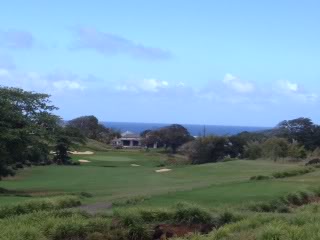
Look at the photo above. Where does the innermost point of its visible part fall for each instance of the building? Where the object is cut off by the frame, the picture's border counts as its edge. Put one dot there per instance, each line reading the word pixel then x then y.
pixel 128 140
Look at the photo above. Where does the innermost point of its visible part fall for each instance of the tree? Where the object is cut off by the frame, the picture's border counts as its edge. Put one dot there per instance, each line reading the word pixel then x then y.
pixel 173 136
pixel 297 151
pixel 275 148
pixel 67 136
pixel 206 149
pixel 301 129
pixel 236 146
pixel 90 127
pixel 26 121
pixel 150 138
pixel 87 125
pixel 253 150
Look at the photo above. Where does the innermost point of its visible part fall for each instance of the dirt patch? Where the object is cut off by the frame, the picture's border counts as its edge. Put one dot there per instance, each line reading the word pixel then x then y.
pixel 165 231
pixel 81 153
pixel 163 170
pixel 83 161
pixel 135 165
pixel 95 208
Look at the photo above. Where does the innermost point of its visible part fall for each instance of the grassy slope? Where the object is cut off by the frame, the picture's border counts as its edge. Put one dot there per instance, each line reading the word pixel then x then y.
pixel 109 176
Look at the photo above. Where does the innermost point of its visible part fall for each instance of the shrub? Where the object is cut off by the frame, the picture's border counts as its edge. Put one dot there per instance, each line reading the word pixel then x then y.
pixel 130 201
pixel 86 194
pixel 314 161
pixel 156 215
pixel 228 159
pixel 19 165
pixel 226 218
pixel 138 232
pixel 260 177
pixel 128 217
pixel 292 173
pixel 272 233
pixel 190 214
pixel 39 205
pixel 253 150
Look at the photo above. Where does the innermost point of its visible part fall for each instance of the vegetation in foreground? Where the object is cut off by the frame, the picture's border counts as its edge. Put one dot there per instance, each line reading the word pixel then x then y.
pixel 298 218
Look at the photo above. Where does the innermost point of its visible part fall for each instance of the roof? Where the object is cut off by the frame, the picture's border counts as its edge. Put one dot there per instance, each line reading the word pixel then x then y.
pixel 128 134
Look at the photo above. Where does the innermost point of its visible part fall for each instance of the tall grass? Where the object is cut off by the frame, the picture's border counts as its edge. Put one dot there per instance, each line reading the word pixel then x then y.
pixel 39 205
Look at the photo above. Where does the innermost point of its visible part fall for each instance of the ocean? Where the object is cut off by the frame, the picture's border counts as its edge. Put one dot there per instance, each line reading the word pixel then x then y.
pixel 194 129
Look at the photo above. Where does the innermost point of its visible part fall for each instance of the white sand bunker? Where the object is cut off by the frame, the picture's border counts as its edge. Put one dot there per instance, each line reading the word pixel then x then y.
pixel 83 161
pixel 163 170
pixel 82 153
pixel 135 165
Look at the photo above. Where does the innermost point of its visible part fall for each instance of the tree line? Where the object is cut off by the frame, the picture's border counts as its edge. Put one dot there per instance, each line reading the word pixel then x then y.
pixel 29 130
pixel 293 139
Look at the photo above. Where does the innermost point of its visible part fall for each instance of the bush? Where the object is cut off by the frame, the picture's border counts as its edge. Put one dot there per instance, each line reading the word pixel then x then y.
pixel 253 150
pixel 138 232
pixel 18 165
pixel 156 215
pixel 292 173
pixel 85 195
pixel 228 159
pixel 260 177
pixel 130 201
pixel 39 205
pixel 190 214
pixel 226 218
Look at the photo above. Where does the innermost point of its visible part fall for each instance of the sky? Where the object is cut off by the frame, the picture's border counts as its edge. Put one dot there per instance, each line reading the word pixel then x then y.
pixel 245 63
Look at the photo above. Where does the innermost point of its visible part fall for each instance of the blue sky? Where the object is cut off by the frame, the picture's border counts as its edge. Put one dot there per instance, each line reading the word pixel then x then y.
pixel 205 62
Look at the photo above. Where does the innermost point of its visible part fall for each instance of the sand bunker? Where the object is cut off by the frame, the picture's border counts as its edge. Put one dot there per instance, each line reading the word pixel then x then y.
pixel 135 165
pixel 82 153
pixel 163 170
pixel 83 161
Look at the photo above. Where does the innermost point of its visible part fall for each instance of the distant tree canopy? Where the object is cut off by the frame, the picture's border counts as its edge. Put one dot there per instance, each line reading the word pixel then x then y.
pixel 172 136
pixel 291 139
pixel 90 127
pixel 302 130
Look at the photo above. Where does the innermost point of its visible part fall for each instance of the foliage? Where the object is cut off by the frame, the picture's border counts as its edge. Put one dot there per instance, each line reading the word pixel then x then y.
pixel 172 136
pixel 260 177
pixel 68 136
pixel 90 127
pixel 292 173
pixel 39 205
pixel 275 148
pixel 302 130
pixel 130 201
pixel 253 150
pixel 190 214
pixel 207 149
pixel 27 126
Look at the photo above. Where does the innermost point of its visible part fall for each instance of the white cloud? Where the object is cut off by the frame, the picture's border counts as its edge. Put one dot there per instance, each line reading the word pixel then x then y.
pixel 295 91
pixel 146 85
pixel 72 85
pixel 153 85
pixel 4 73
pixel 33 81
pixel 237 84
pixel 288 86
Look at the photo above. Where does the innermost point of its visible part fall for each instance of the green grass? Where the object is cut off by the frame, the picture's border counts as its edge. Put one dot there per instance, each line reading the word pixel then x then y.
pixel 110 177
